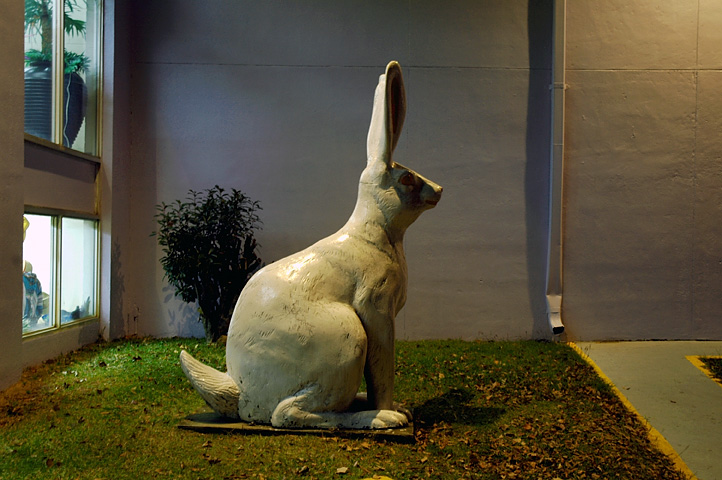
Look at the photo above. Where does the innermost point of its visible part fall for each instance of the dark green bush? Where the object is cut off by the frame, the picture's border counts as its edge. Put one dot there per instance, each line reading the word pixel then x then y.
pixel 209 251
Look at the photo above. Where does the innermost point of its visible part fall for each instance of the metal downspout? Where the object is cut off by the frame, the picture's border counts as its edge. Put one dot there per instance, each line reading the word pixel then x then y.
pixel 558 87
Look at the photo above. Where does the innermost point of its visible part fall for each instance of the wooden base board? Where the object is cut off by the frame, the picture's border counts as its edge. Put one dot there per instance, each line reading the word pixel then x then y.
pixel 206 421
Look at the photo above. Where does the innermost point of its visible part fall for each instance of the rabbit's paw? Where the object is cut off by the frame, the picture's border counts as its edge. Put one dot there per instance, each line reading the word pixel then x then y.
pixel 389 419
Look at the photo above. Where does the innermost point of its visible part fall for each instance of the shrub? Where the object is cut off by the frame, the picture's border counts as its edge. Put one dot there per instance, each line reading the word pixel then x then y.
pixel 209 251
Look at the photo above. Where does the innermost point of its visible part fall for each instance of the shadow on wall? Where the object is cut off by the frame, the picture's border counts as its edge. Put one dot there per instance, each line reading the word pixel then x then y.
pixel 143 262
pixel 184 319
pixel 537 174
pixel 117 286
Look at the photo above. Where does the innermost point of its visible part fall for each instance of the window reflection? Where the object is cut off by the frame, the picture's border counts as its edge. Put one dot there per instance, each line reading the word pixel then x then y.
pixel 66 115
pixel 60 262
pixel 77 278
pixel 81 75
pixel 38 272
pixel 39 20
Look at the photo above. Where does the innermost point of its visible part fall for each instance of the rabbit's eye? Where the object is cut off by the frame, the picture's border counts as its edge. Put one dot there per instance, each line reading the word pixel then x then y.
pixel 407 179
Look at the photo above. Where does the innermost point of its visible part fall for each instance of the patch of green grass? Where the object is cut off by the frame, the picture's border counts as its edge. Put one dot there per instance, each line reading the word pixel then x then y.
pixel 523 410
pixel 714 365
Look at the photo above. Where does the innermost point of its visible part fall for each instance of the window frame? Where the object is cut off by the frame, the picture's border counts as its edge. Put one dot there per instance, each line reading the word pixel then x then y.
pixel 58 52
pixel 55 290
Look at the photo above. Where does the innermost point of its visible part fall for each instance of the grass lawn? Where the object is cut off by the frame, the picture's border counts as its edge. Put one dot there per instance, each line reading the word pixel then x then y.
pixel 517 410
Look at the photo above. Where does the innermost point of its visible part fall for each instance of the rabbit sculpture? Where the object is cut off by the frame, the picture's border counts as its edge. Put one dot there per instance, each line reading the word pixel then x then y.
pixel 307 328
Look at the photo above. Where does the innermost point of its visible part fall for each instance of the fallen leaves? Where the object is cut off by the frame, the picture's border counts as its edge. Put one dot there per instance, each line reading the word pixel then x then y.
pixel 352 447
pixel 504 410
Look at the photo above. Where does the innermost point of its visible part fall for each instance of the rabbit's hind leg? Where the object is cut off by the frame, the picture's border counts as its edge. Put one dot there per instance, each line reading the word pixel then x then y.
pixel 294 412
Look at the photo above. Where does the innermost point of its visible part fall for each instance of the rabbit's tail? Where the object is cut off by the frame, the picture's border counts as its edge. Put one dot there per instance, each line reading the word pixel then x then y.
pixel 218 389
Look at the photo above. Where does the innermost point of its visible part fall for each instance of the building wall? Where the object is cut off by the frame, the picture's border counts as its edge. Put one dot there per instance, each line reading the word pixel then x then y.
pixel 54 179
pixel 34 175
pixel 643 178
pixel 11 203
pixel 114 176
pixel 274 98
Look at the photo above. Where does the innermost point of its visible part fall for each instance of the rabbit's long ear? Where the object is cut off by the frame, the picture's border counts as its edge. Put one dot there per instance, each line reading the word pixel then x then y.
pixel 395 102
pixel 388 115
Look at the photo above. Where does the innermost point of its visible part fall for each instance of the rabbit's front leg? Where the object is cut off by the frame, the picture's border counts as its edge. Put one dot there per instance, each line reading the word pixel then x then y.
pixel 379 367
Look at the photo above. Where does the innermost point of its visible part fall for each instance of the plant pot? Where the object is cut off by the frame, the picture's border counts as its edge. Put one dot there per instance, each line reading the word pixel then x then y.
pixel 38 102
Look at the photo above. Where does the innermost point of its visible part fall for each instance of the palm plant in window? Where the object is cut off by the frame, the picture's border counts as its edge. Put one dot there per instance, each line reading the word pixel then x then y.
pixel 38 73
pixel 209 251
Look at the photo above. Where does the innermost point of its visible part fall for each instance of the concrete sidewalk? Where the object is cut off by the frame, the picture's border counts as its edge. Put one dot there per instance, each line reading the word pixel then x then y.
pixel 677 399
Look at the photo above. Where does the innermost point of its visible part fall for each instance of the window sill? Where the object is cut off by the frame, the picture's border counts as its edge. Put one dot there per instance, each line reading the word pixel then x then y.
pixel 62 328
pixel 45 144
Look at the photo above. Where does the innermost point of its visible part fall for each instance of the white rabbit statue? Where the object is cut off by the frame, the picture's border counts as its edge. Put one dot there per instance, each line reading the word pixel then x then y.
pixel 308 327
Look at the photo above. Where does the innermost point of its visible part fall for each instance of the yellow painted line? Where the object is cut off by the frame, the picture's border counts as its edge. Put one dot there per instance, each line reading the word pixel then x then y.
pixel 697 362
pixel 654 436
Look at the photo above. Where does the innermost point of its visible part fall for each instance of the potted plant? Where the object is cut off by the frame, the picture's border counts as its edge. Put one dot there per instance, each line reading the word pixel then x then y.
pixel 38 73
pixel 209 251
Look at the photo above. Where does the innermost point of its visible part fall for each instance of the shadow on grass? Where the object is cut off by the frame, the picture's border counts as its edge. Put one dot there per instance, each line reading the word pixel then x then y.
pixel 453 407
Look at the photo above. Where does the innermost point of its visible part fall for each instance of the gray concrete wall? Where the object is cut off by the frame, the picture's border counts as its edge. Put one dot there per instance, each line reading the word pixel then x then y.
pixel 643 257
pixel 11 203
pixel 274 98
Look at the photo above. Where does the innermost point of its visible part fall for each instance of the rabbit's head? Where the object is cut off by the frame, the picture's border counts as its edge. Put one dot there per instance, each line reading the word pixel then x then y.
pixel 400 193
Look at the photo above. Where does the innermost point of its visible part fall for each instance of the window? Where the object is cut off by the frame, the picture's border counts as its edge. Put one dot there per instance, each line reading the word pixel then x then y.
pixel 60 279
pixel 62 72
pixel 78 269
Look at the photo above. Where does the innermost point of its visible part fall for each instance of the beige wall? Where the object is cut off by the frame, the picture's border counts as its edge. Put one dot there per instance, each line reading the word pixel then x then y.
pixel 11 203
pixel 274 98
pixel 643 179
